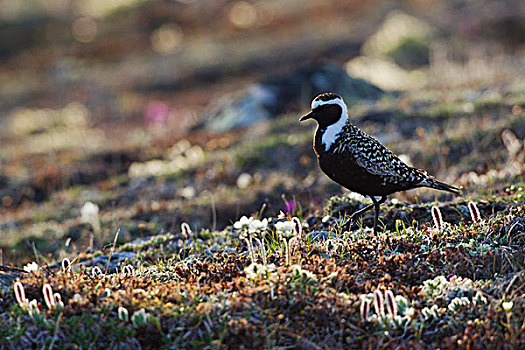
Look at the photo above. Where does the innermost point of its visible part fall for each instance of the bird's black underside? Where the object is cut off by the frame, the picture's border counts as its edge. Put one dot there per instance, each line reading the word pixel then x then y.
pixel 348 174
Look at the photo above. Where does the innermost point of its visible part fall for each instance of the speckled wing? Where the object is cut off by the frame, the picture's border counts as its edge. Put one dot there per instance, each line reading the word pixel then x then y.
pixel 379 160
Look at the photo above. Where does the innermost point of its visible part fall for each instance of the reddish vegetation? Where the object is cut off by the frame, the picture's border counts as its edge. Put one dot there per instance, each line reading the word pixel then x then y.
pixel 210 299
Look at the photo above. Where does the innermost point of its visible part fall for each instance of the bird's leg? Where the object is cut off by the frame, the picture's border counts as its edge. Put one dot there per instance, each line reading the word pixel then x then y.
pixel 360 211
pixel 367 208
pixel 376 205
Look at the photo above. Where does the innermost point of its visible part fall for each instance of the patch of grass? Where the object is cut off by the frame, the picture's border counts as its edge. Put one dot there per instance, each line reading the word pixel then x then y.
pixel 199 291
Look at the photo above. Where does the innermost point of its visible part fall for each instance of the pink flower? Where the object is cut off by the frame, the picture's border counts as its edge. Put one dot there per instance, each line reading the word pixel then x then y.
pixel 156 112
pixel 289 207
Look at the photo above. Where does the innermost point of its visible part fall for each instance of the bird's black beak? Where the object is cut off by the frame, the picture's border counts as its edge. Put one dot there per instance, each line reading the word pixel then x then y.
pixel 310 115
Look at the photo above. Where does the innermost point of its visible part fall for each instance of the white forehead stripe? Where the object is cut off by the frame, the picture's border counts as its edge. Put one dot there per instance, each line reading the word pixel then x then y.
pixel 335 101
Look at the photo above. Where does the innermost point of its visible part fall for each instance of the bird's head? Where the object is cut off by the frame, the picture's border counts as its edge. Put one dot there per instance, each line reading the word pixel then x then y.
pixel 327 109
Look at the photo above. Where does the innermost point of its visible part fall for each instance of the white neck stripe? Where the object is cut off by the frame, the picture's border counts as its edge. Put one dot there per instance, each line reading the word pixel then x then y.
pixel 331 131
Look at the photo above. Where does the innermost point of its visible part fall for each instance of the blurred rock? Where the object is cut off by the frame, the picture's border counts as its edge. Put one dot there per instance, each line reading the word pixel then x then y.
pixel 8 277
pixel 115 260
pixel 386 74
pixel 3 180
pixel 285 93
pixel 244 111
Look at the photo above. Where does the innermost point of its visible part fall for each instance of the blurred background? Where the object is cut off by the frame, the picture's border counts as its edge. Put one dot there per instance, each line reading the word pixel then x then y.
pixel 161 112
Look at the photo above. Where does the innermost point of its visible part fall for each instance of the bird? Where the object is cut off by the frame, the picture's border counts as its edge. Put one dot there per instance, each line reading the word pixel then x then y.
pixel 357 161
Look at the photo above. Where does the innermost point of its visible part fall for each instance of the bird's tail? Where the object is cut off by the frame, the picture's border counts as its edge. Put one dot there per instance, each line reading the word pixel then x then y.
pixel 438 185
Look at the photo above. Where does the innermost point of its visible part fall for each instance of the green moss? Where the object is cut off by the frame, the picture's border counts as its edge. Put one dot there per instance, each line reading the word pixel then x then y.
pixel 410 52
pixel 255 154
pixel 87 330
pixel 11 328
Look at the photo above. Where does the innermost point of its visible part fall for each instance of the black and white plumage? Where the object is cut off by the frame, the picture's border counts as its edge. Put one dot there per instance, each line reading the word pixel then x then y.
pixel 357 161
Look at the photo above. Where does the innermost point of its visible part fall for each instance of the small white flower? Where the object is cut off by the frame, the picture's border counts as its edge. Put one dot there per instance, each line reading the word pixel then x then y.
pixel 258 226
pixel 507 305
pixel 31 267
pixel 89 212
pixel 403 306
pixel 140 318
pixel 400 321
pixel 244 180
pixel 456 303
pixel 285 228
pixel 304 274
pixel 89 215
pixel 409 311
pixel 254 271
pixel 32 307
pixel 251 270
pixel 435 288
pixel 243 222
pixel 429 313
pixel 479 298
pixel 77 298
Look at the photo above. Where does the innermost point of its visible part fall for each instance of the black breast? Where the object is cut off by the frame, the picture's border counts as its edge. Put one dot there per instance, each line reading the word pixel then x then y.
pixel 348 174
